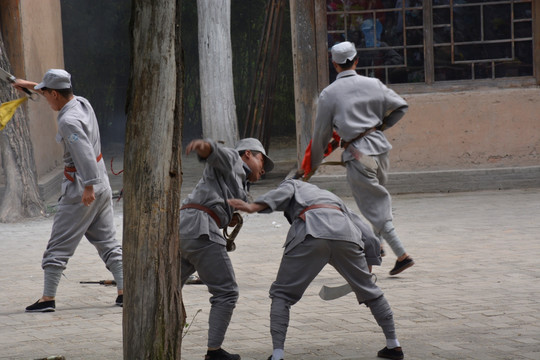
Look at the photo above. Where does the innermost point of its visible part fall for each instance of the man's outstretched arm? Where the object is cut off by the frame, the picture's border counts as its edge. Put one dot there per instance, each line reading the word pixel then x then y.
pixel 247 207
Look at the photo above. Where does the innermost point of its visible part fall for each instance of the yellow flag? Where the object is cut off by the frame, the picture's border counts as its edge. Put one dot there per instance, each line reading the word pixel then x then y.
pixel 8 109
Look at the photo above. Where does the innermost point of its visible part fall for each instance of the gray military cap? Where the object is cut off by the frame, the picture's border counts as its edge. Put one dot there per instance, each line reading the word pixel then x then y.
pixel 56 79
pixel 255 145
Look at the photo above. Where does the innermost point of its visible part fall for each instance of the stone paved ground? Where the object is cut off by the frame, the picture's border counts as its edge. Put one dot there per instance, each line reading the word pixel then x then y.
pixel 473 293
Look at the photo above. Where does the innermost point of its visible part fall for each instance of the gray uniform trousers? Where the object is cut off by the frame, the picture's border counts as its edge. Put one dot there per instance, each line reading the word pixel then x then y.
pixel 366 177
pixel 213 264
pixel 300 266
pixel 72 222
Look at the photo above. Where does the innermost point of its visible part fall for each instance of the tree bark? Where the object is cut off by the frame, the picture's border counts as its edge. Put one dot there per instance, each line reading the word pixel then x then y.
pixel 218 109
pixel 21 194
pixel 153 317
pixel 310 69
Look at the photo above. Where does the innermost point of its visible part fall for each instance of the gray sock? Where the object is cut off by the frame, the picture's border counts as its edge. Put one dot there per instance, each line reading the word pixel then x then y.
pixel 52 275
pixel 392 343
pixel 118 273
pixel 383 314
pixel 277 354
pixel 279 321
pixel 218 322
pixel 389 234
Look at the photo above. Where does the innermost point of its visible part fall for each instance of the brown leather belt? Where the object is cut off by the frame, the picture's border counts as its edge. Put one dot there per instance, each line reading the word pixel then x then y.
pixel 72 169
pixel 302 215
pixel 345 144
pixel 205 209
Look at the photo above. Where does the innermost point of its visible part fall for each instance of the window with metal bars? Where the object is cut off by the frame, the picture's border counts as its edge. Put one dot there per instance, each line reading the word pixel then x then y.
pixel 415 41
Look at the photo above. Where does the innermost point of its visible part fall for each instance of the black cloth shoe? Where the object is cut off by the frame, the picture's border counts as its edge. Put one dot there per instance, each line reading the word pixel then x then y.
pixel 270 358
pixel 402 265
pixel 120 300
pixel 395 353
pixel 220 354
pixel 45 306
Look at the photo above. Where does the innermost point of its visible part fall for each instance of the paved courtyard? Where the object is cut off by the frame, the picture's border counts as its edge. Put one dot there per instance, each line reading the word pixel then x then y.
pixel 473 293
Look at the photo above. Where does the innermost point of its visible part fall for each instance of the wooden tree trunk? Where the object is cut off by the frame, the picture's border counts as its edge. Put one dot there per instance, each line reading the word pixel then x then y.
pixel 309 44
pixel 153 317
pixel 21 196
pixel 218 109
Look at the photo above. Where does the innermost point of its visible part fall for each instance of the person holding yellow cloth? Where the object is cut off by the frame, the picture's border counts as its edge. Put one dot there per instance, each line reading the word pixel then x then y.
pixel 85 207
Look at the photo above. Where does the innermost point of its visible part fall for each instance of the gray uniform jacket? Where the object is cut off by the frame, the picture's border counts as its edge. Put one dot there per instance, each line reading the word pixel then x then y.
pixel 351 105
pixel 224 177
pixel 293 196
pixel 78 132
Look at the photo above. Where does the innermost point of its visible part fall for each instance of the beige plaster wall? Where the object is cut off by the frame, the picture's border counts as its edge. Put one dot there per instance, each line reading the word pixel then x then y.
pixel 481 129
pixel 491 128
pixel 41 32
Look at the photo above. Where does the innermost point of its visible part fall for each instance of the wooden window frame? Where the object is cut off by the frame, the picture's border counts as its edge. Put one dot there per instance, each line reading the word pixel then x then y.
pixel 430 85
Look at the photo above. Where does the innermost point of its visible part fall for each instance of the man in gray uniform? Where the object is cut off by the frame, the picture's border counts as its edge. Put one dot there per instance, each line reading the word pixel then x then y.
pixel 323 231
pixel 358 108
pixel 85 207
pixel 204 213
